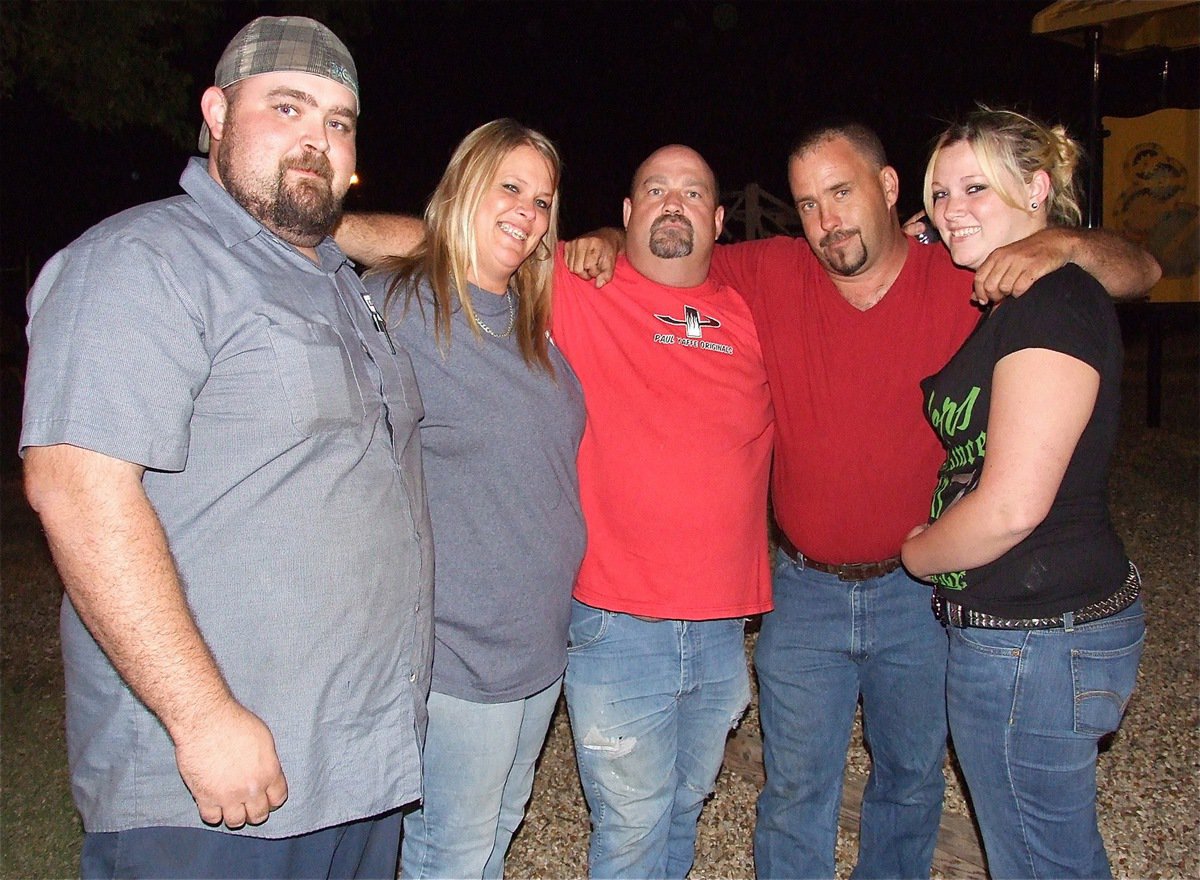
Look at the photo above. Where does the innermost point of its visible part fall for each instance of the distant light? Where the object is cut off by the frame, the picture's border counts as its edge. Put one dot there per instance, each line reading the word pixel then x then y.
pixel 354 179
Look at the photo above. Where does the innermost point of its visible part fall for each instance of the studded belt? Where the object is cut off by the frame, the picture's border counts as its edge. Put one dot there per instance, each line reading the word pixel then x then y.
pixel 953 614
pixel 846 571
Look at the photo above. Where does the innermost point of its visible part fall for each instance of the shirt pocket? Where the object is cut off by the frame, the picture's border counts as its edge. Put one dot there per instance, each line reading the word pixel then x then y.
pixel 317 377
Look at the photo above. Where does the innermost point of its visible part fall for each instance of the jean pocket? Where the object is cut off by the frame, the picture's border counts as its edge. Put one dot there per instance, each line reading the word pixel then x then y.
pixel 1103 682
pixel 782 562
pixel 588 626
pixel 1005 643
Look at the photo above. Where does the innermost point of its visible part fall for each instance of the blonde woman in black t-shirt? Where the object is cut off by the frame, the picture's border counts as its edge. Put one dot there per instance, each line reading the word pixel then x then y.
pixel 1040 601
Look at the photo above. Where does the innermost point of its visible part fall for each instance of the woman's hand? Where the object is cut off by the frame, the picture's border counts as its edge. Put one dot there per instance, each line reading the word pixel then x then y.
pixel 916 530
pixel 908 558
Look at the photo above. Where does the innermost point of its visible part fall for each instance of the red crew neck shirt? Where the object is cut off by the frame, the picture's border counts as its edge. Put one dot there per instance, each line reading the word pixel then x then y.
pixel 675 459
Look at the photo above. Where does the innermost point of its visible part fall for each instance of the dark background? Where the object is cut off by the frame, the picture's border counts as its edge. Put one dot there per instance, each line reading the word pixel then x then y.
pixel 99 105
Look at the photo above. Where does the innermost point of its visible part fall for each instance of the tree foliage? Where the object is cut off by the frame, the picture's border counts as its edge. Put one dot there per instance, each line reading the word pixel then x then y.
pixel 108 65
pixel 113 64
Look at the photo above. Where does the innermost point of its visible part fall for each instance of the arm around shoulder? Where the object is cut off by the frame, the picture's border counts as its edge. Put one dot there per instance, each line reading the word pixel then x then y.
pixel 594 254
pixel 1125 270
pixel 369 239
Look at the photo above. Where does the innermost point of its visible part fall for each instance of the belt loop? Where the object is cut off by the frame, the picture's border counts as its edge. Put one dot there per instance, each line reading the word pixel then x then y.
pixel 1069 621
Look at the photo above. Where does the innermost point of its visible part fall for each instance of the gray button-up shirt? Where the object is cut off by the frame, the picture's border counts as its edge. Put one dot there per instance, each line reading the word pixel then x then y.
pixel 277 427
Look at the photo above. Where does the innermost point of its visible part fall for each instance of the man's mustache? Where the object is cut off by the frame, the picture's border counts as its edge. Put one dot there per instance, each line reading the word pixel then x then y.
pixel 317 164
pixel 676 218
pixel 837 237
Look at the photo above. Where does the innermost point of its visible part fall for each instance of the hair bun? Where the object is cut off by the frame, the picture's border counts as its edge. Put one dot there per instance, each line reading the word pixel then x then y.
pixel 1065 147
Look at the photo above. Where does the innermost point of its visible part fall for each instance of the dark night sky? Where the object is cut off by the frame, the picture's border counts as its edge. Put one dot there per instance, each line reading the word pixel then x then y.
pixel 608 81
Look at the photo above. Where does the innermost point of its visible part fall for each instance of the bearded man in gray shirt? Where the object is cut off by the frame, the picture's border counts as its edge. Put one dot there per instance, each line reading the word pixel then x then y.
pixel 221 443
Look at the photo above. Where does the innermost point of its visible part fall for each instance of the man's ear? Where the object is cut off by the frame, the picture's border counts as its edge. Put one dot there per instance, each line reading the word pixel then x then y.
pixel 214 106
pixel 626 208
pixel 720 221
pixel 890 181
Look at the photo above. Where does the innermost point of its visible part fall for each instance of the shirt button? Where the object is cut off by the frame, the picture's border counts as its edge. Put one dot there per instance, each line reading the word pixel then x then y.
pixel 412 676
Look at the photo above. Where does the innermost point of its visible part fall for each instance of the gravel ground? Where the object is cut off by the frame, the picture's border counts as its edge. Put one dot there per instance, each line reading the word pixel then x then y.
pixel 1148 778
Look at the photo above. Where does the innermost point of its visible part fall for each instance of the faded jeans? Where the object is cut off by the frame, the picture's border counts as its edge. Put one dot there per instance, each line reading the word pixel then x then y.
pixel 1027 708
pixel 651 704
pixel 478 774
pixel 826 643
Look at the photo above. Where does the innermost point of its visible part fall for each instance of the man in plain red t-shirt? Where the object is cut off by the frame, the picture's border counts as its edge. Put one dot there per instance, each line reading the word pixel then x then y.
pixel 851 318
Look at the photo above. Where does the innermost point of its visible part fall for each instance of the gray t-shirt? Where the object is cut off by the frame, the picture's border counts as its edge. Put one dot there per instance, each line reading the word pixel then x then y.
pixel 499 441
pixel 278 430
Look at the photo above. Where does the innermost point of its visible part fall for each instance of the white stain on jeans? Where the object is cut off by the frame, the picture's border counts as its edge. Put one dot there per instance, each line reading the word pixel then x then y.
pixel 610 747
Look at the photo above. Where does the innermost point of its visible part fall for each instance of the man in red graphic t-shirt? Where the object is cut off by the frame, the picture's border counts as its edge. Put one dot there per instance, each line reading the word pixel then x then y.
pixel 673 472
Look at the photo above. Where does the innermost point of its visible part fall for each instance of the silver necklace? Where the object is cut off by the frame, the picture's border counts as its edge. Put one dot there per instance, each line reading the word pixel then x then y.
pixel 512 318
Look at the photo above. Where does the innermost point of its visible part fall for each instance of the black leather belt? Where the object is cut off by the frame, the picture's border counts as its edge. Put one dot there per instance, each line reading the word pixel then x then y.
pixel 846 571
pixel 953 614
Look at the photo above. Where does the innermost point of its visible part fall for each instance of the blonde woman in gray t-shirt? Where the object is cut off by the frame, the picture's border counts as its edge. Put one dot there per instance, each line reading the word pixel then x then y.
pixel 503 418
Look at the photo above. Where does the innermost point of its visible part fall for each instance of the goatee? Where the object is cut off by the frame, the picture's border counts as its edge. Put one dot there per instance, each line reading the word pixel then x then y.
pixel 846 261
pixel 672 242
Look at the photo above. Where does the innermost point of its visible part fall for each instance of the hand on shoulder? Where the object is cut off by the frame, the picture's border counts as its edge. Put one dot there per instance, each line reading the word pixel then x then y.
pixel 594 256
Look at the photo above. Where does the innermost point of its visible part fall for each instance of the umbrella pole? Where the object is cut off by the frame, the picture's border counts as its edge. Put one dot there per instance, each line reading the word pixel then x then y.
pixel 1095 140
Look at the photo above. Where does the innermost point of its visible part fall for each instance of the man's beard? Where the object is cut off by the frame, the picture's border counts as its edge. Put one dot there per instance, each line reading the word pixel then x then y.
pixel 845 261
pixel 301 213
pixel 673 242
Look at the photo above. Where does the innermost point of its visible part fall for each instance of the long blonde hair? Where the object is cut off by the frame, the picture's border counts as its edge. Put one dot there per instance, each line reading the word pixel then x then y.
pixel 447 254
pixel 1011 146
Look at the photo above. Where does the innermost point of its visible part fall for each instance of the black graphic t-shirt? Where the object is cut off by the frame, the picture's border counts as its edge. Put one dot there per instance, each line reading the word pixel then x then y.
pixel 1074 557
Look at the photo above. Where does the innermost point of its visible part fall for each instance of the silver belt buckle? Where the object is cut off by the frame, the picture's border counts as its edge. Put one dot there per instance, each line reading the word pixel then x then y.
pixel 954 613
pixel 957 614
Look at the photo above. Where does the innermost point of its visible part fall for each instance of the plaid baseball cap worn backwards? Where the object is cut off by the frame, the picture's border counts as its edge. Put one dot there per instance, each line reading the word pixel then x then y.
pixel 292 42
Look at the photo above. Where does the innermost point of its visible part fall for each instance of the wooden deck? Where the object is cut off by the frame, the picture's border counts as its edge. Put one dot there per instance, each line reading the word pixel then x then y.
pixel 959 853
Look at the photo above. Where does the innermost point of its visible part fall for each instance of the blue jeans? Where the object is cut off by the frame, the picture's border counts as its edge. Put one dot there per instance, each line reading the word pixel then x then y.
pixel 1027 708
pixel 363 849
pixel 826 643
pixel 651 704
pixel 477 776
